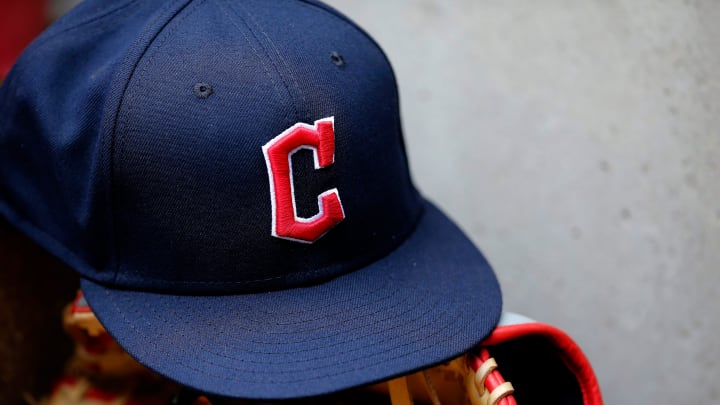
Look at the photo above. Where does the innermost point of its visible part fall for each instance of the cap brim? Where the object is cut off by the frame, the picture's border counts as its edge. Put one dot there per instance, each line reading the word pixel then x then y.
pixel 429 300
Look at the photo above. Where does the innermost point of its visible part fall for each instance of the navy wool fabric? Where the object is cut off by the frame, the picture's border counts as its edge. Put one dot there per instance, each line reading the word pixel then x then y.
pixel 131 138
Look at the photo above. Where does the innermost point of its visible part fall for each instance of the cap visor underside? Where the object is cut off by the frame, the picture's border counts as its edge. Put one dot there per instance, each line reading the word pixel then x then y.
pixel 431 299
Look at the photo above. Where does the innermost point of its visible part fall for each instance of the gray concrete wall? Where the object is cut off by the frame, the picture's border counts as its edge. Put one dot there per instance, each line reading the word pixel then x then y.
pixel 577 143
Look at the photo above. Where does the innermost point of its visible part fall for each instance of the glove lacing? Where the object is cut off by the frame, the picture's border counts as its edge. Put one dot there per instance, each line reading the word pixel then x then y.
pixel 483 382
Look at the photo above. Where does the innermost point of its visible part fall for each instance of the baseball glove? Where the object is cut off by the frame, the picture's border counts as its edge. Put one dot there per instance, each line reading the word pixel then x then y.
pixel 522 361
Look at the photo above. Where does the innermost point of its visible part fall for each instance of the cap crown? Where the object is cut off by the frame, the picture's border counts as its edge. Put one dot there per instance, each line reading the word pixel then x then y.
pixel 136 154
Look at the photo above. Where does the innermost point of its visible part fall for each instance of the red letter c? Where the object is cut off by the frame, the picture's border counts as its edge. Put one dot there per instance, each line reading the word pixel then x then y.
pixel 286 224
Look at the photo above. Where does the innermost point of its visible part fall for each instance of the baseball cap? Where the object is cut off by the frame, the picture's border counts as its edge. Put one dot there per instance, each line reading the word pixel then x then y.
pixel 229 180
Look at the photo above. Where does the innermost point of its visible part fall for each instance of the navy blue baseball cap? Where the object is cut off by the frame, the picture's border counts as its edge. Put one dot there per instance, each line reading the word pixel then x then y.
pixel 230 182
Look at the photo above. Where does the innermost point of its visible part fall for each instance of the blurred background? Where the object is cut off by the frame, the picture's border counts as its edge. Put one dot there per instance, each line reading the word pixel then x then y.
pixel 578 144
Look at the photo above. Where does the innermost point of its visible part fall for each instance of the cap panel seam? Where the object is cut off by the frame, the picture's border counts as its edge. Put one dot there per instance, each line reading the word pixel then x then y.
pixel 34 231
pixel 119 141
pixel 265 51
pixel 335 13
pixel 398 124
pixel 277 52
pixel 116 141
pixel 42 40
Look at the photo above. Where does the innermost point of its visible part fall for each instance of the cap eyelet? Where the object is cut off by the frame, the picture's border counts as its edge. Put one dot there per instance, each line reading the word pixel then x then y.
pixel 337 59
pixel 202 90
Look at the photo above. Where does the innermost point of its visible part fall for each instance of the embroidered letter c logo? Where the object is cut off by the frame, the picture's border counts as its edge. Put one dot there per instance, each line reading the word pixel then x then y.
pixel 286 224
